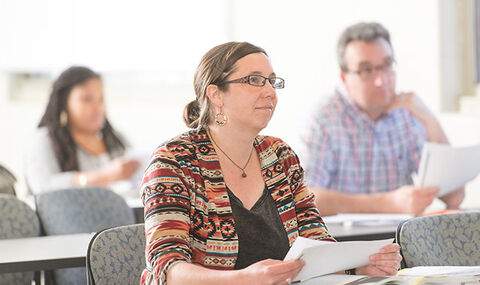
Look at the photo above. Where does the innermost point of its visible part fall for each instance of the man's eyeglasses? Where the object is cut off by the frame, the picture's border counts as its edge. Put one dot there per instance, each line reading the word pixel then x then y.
pixel 258 80
pixel 368 72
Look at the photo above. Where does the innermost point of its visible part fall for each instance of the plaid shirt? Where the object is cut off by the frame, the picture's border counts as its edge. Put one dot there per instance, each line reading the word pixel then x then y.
pixel 349 152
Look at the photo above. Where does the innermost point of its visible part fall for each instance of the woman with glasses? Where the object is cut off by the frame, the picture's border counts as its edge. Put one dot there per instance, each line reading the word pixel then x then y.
pixel 222 203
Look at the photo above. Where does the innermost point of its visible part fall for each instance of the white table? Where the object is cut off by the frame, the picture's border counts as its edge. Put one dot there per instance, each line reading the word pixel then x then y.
pixel 349 233
pixel 339 231
pixel 43 253
pixel 134 202
pixel 342 279
pixel 332 279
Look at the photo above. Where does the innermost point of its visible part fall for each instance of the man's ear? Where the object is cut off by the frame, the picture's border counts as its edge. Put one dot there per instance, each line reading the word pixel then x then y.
pixel 215 95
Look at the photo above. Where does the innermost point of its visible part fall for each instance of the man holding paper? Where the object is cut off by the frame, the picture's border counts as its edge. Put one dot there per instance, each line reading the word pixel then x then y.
pixel 366 142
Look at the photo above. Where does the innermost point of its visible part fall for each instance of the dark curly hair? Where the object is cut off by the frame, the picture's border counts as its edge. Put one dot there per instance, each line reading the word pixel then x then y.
pixel 64 145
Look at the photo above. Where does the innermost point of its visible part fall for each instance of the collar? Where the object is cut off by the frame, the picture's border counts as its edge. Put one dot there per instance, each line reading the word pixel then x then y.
pixel 355 112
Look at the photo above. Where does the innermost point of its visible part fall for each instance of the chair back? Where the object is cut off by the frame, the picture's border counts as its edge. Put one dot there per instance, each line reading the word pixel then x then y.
pixel 17 220
pixel 117 255
pixel 82 210
pixel 7 181
pixel 443 240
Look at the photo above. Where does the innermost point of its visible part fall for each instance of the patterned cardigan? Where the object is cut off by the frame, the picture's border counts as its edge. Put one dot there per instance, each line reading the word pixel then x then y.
pixel 188 216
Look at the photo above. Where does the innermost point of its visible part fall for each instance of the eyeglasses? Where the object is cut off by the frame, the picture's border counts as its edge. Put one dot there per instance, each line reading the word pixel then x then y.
pixel 368 72
pixel 258 80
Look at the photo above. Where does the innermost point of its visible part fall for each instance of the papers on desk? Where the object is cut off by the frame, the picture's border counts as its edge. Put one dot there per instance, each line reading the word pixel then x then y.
pixel 424 275
pixel 441 271
pixel 447 167
pixel 414 280
pixel 366 219
pixel 333 279
pixel 324 257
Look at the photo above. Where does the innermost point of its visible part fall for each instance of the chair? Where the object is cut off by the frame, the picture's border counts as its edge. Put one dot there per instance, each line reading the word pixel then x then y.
pixel 444 240
pixel 116 256
pixel 17 220
pixel 83 210
pixel 7 181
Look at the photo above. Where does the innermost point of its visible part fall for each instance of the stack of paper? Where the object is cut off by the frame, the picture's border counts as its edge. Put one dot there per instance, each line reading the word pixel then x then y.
pixel 323 257
pixel 412 280
pixel 441 270
pixel 431 275
pixel 447 167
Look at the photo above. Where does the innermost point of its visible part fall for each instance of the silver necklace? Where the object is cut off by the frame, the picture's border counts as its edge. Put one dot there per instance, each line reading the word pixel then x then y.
pixel 244 174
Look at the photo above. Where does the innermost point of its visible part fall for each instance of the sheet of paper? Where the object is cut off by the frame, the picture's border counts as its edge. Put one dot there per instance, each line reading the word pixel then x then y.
pixel 447 167
pixel 323 257
pixel 415 280
pixel 440 270
pixel 143 157
pixel 130 188
pixel 333 279
pixel 348 219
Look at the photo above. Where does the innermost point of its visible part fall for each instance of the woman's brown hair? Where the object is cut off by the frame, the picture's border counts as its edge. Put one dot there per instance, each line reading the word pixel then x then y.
pixel 214 68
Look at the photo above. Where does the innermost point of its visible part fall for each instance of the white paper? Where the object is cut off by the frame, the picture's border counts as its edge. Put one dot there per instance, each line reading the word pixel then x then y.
pixel 324 257
pixel 348 219
pixel 441 270
pixel 130 188
pixel 333 279
pixel 447 167
pixel 143 157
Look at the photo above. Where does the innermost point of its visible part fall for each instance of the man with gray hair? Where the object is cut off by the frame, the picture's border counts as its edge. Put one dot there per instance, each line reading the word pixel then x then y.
pixel 365 143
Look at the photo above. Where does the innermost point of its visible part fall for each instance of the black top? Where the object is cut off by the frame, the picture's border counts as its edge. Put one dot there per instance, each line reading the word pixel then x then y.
pixel 261 234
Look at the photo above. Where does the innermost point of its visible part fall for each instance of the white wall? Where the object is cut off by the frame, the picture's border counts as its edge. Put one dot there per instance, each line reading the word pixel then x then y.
pixel 300 37
pixel 108 35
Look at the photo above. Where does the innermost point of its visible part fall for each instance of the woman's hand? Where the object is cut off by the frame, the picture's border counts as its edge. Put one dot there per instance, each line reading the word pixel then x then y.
pixel 270 272
pixel 122 169
pixel 385 262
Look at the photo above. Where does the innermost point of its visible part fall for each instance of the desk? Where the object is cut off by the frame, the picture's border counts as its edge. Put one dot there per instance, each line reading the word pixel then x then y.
pixel 336 279
pixel 43 253
pixel 333 279
pixel 340 232
pixel 349 233
pixel 136 205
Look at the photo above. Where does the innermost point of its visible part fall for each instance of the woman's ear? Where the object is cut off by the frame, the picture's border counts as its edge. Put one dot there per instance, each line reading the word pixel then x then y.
pixel 215 95
pixel 342 76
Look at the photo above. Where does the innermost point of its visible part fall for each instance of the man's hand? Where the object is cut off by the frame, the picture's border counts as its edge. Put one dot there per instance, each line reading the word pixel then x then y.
pixel 414 104
pixel 454 199
pixel 411 199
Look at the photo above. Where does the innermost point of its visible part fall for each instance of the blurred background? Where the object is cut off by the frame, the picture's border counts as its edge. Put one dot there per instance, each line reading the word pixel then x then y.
pixel 147 52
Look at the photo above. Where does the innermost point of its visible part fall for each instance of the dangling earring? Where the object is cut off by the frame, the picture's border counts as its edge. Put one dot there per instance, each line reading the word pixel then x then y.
pixel 63 119
pixel 221 119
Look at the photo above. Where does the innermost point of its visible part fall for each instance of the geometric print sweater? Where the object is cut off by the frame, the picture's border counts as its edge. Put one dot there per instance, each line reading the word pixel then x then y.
pixel 188 216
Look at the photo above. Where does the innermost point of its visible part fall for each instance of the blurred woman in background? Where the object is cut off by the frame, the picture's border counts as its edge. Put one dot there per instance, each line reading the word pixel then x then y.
pixel 76 146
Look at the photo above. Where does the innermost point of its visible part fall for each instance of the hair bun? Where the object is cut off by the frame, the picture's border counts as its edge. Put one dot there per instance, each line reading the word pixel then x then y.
pixel 191 114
